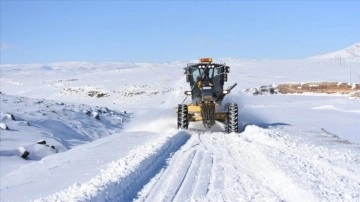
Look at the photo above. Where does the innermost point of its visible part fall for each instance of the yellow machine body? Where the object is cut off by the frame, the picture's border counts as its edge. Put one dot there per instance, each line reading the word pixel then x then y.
pixel 194 114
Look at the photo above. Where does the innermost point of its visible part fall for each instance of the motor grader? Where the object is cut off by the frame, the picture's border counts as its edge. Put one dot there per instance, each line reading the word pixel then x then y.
pixel 207 80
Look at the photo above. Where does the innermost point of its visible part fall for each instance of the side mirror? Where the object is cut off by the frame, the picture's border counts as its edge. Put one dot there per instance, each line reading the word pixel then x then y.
pixel 225 77
pixel 227 69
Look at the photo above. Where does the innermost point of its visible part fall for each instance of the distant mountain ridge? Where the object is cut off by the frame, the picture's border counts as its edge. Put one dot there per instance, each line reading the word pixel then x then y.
pixel 351 52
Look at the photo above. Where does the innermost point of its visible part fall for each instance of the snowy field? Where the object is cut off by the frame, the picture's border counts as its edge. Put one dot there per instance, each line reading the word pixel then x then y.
pixel 109 132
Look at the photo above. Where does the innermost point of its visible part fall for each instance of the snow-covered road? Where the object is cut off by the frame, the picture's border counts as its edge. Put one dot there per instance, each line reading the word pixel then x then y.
pixel 258 164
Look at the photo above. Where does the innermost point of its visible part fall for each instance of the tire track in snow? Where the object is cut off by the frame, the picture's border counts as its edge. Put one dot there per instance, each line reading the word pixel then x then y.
pixel 212 175
pixel 187 178
pixel 172 184
pixel 236 182
pixel 203 176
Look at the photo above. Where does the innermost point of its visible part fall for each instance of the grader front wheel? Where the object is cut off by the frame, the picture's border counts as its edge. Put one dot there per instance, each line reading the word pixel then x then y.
pixel 182 121
pixel 232 120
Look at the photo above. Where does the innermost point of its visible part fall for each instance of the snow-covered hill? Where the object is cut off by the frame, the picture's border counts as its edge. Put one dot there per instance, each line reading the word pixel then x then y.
pixel 351 52
pixel 113 126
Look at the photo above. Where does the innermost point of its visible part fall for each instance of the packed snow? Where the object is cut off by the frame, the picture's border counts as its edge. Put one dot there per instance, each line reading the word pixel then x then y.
pixel 107 132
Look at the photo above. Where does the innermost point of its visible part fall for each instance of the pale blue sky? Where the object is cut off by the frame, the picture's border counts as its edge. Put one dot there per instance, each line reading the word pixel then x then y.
pixel 159 31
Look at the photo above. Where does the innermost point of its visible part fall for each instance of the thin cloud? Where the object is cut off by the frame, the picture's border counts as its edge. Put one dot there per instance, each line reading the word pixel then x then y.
pixel 5 47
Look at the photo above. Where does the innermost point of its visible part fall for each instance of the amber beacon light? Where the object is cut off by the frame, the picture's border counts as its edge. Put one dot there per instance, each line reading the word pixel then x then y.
pixel 205 60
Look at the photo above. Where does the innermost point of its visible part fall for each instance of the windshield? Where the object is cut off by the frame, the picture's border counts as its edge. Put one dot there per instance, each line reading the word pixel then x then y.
pixel 205 74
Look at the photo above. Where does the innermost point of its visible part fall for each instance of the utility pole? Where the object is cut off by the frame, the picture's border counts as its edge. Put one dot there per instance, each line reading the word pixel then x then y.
pixel 340 61
pixel 350 73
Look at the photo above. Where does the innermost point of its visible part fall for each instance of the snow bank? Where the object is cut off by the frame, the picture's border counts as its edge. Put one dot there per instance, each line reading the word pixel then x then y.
pixel 122 179
pixel 62 126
